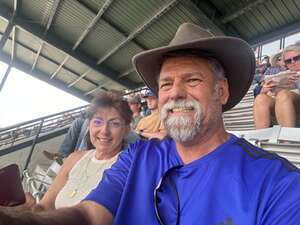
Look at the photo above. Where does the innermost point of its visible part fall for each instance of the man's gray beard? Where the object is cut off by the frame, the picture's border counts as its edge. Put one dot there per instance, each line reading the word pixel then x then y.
pixel 182 128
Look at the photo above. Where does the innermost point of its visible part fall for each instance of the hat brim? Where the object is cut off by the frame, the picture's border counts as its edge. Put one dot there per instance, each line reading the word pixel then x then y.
pixel 235 55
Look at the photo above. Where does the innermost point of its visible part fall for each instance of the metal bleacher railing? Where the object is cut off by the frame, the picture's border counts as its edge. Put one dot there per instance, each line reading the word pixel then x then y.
pixel 12 135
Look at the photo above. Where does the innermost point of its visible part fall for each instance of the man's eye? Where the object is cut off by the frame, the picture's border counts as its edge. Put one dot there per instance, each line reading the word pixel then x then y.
pixel 193 82
pixel 164 85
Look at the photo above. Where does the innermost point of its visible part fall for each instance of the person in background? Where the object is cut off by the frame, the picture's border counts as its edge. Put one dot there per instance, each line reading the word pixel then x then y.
pixel 285 104
pixel 277 66
pixel 109 120
pixel 134 102
pixel 151 126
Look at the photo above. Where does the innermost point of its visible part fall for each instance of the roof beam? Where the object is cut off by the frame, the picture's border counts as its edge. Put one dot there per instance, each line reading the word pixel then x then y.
pixel 240 11
pixel 59 67
pixel 276 34
pixel 104 7
pixel 42 76
pixel 79 78
pixel 52 61
pixel 5 76
pixel 10 25
pixel 65 47
pixel 10 28
pixel 204 19
pixel 126 72
pixel 91 25
pixel 50 19
pixel 93 90
pixel 13 45
pixel 140 29
pixel 140 45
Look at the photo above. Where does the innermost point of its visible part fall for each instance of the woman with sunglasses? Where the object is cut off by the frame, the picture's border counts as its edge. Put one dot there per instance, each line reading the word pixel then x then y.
pixel 109 118
pixel 284 104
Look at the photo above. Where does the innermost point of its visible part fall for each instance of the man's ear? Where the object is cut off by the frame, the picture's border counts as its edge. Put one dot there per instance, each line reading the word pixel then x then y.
pixel 223 91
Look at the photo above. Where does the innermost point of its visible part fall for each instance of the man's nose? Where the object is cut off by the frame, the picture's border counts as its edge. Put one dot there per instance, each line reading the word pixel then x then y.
pixel 178 90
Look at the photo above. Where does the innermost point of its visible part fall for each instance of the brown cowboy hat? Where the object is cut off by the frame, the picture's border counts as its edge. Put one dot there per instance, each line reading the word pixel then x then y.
pixel 235 55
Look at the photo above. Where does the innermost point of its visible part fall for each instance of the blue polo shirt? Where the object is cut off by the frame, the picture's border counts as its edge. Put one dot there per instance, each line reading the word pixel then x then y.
pixel 236 184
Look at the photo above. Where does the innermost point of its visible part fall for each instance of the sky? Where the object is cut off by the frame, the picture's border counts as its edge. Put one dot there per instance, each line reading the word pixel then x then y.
pixel 24 97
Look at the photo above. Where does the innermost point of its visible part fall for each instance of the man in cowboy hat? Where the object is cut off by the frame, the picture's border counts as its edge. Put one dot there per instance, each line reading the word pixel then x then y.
pixel 201 174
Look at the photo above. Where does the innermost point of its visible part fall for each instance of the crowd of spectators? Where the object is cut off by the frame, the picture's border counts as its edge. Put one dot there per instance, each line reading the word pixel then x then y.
pixel 277 98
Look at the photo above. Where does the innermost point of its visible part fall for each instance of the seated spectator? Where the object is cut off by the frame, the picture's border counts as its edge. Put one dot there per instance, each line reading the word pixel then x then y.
pixel 284 104
pixel 134 103
pixel 277 66
pixel 151 126
pixel 109 120
pixel 261 68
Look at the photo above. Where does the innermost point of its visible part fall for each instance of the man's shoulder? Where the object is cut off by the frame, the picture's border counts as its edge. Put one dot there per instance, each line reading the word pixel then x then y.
pixel 257 159
pixel 255 168
pixel 153 146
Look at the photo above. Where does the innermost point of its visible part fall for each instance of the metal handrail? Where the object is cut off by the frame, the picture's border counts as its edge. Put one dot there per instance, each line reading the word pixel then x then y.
pixel 12 134
pixel 44 117
pixel 30 181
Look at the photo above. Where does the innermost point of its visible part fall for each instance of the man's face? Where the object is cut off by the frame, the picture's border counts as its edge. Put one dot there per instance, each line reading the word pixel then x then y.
pixel 190 97
pixel 152 102
pixel 292 60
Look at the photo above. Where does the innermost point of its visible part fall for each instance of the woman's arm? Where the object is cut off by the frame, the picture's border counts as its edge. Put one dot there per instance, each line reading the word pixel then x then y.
pixel 48 201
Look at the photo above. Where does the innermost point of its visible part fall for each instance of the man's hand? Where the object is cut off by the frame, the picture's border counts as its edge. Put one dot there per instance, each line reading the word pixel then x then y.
pixel 85 213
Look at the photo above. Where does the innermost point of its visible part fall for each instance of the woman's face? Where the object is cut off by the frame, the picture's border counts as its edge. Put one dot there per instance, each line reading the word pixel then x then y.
pixel 107 130
pixel 292 60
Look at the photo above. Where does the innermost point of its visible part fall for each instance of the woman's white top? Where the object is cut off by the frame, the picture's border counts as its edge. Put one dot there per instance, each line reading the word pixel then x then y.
pixel 83 177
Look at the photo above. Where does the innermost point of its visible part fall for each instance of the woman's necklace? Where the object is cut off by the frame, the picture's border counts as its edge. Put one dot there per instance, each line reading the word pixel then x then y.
pixel 85 175
pixel 89 172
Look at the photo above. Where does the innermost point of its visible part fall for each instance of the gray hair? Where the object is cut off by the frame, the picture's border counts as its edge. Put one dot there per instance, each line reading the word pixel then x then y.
pixel 214 65
pixel 217 68
pixel 294 47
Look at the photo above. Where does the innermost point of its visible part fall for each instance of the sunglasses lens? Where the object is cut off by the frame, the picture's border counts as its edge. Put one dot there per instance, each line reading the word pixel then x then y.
pixel 293 59
pixel 288 61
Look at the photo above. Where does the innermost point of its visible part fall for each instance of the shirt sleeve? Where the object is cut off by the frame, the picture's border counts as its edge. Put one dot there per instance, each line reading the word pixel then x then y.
pixel 283 206
pixel 109 191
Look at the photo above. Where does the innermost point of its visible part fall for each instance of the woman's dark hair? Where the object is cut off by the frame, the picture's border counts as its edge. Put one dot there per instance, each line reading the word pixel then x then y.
pixel 110 99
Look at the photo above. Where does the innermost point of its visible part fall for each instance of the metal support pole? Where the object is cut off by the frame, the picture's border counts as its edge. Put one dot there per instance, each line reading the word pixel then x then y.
pixel 5 77
pixel 33 146
pixel 10 25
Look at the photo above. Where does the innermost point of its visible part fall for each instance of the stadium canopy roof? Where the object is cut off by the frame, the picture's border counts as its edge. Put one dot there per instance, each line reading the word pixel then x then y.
pixel 82 46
